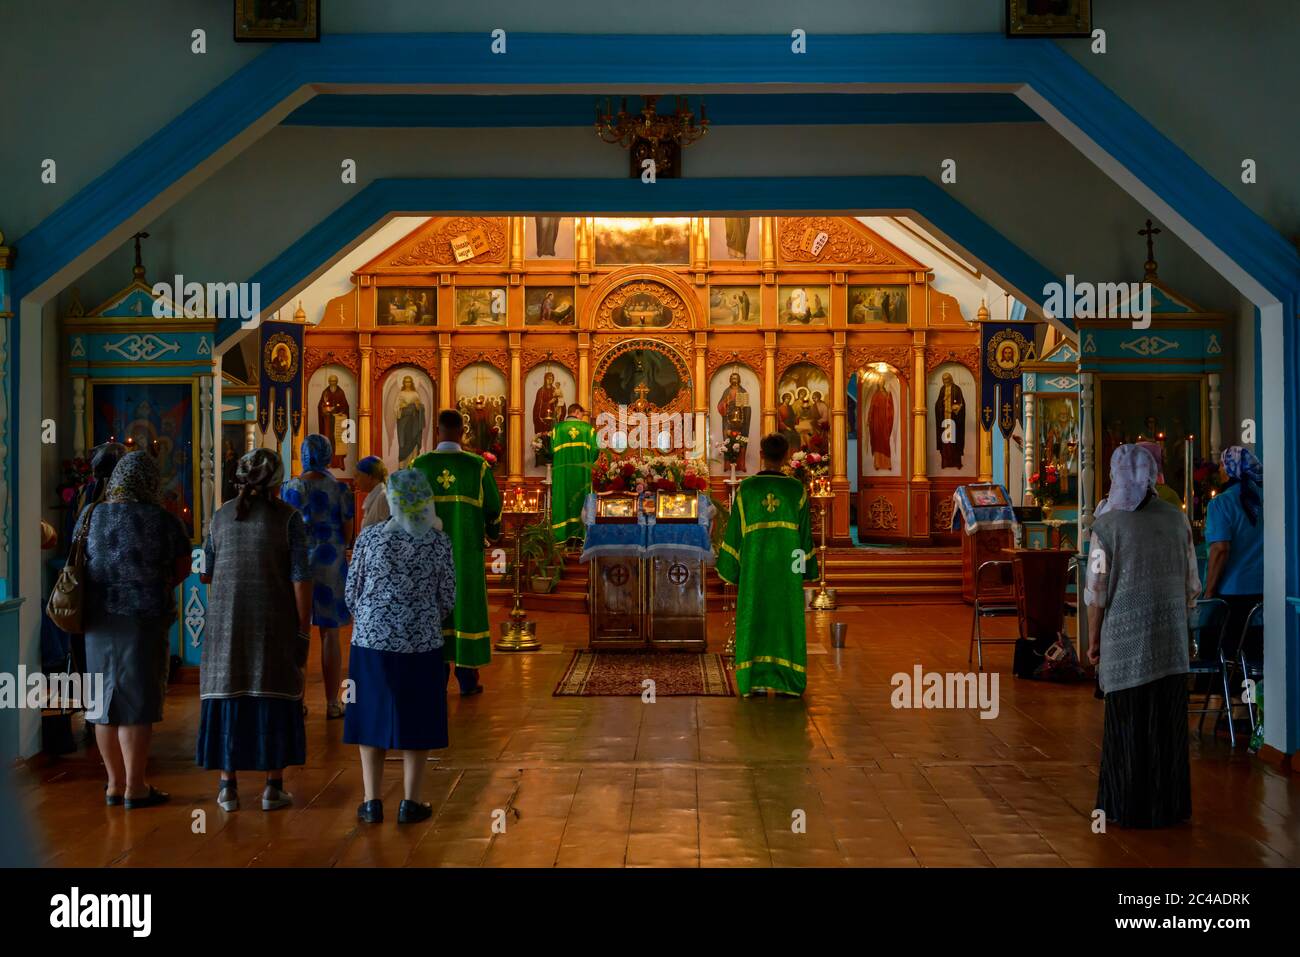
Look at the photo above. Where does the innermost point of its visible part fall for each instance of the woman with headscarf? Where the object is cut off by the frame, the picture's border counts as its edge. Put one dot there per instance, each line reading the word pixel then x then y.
pixel 401 586
pixel 1235 531
pixel 327 507
pixel 371 475
pixel 1166 493
pixel 136 555
pixel 257 636
pixel 1142 578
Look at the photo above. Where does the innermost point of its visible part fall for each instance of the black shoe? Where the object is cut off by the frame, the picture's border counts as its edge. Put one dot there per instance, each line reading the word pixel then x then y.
pixel 371 812
pixel 153 798
pixel 477 689
pixel 412 812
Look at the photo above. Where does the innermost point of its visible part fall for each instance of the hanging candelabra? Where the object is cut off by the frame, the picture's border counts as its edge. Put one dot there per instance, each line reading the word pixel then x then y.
pixel 652 135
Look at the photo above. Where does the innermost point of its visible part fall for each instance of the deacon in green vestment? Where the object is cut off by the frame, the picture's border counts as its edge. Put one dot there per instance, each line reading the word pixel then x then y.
pixel 574 446
pixel 768 554
pixel 469 505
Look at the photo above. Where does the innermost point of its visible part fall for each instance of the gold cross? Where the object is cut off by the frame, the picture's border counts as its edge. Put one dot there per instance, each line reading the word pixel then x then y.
pixel 771 502
pixel 573 432
pixel 446 480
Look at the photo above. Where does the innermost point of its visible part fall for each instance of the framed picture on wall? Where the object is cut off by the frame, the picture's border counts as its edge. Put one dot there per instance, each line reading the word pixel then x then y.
pixel 1049 18
pixel 277 21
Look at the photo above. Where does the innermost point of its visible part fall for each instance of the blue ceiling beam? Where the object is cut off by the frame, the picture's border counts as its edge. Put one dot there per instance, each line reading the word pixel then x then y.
pixel 724 109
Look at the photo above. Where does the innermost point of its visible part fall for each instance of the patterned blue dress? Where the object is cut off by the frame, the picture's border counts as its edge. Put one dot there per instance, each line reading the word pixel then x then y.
pixel 325 504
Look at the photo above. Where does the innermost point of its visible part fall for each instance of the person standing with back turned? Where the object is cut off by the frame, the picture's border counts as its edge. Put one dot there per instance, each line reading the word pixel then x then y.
pixel 574 446
pixel 466 497
pixel 768 545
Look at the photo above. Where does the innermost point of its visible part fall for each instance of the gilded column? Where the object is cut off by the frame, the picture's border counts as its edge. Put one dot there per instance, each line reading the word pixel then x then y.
pixel 1216 432
pixel 365 442
pixel 986 454
pixel 1087 463
pixel 767 238
pixel 700 447
pixel 920 448
pixel 207 466
pixel 582 243
pixel 584 370
pixel 839 417
pixel 515 428
pixel 699 244
pixel 444 371
pixel 769 383
pixel 517 243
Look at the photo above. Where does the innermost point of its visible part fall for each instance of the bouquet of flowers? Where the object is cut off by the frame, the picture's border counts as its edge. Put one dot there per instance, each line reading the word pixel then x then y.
pixel 1207 481
pixel 695 476
pixel 732 447
pixel 805 464
pixel 490 458
pixel 1045 484
pixel 74 475
pixel 542 449
pixel 615 473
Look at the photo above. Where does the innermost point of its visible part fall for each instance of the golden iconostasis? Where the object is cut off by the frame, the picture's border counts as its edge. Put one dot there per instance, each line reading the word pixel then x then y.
pixel 727 328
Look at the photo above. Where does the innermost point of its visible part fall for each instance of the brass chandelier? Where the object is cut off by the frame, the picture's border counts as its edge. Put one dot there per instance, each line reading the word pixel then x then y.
pixel 651 134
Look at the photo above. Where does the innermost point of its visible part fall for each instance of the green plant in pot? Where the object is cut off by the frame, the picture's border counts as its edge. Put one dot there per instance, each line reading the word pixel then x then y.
pixel 541 556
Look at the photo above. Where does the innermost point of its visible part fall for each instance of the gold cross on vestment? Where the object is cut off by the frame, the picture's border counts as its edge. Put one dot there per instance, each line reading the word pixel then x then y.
pixel 771 502
pixel 446 480
pixel 573 432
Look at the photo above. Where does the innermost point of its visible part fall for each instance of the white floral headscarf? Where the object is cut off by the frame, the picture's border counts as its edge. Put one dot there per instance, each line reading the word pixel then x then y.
pixel 410 503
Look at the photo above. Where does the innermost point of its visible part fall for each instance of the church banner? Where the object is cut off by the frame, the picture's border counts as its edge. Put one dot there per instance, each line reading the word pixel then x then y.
pixel 280 391
pixel 1004 347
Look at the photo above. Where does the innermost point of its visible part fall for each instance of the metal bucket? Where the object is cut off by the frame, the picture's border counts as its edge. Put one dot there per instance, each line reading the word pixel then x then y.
pixel 839 631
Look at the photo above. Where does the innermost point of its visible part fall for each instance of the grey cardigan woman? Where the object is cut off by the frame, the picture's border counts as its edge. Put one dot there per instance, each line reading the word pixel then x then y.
pixel 1142 577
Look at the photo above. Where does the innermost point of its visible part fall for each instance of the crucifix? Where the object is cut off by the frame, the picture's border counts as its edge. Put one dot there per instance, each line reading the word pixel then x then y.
pixel 1150 266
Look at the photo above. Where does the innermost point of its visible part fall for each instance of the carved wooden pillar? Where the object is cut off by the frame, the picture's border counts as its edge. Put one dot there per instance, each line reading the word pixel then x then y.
pixel 515 428
pixel 517 243
pixel 1031 448
pixel 79 416
pixel 250 436
pixel 769 382
pixel 920 447
pixel 364 435
pixel 1216 429
pixel 582 244
pixel 839 416
pixel 699 244
pixel 985 453
pixel 767 238
pixel 444 371
pixel 701 445
pixel 1087 461
pixel 207 466
pixel 584 370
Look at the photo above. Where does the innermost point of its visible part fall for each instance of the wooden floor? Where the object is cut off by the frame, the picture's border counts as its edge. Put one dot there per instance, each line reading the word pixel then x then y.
pixel 690 782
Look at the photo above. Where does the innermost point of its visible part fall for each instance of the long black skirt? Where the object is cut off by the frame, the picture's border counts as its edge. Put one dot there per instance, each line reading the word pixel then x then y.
pixel 1145 771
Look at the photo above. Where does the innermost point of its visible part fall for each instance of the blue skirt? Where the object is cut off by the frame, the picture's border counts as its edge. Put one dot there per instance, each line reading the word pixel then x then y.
pixel 251 734
pixel 401 700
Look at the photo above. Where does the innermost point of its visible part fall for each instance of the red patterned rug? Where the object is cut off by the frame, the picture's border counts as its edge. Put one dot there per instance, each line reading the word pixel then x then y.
pixel 595 674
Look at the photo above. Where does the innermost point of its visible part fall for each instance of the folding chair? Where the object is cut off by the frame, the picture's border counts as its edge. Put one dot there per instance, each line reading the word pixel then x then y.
pixel 990 608
pixel 1208 618
pixel 1250 658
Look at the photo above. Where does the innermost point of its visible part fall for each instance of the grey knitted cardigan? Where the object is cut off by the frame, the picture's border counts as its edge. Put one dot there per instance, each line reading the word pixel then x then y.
pixel 1145 584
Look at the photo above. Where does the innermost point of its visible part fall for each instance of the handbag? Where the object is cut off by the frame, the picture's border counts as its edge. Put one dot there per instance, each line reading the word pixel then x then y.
pixel 1061 663
pixel 66 603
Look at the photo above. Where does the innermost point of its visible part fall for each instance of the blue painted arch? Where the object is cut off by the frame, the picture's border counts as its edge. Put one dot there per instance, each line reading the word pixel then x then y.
pixel 859 195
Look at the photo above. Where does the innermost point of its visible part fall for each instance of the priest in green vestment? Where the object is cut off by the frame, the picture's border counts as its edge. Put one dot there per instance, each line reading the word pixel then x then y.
pixel 469 505
pixel 574 446
pixel 768 554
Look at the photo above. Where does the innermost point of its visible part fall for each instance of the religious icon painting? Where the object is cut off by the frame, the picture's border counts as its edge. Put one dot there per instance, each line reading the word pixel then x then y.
pixel 1056 420
pixel 803 408
pixel 548 390
pixel 406 306
pixel 881 405
pixel 639 374
pixel 735 306
pixel 643 241
pixel 549 237
pixel 408 401
pixel 1049 18
pixel 733 238
pixel 157 418
pixel 481 397
pixel 950 431
pixel 549 306
pixel 277 20
pixel 480 306
pixel 645 305
pixel 734 412
pixel 331 404
pixel 868 304
pixel 804 305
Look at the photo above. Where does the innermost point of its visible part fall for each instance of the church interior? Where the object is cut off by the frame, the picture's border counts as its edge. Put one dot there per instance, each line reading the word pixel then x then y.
pixel 954 264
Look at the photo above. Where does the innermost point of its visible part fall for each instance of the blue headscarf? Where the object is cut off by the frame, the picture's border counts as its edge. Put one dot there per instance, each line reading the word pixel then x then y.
pixel 1244 469
pixel 316 453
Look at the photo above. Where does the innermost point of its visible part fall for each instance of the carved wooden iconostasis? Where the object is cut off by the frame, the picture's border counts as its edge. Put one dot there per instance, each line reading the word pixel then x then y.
pixel 745 324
